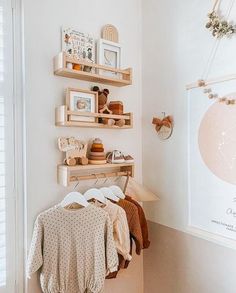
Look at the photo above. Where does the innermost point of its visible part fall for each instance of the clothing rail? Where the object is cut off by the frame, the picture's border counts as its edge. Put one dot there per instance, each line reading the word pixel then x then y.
pixel 100 176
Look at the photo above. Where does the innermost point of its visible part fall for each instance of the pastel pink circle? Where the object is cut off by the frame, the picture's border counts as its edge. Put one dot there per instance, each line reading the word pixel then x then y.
pixel 217 141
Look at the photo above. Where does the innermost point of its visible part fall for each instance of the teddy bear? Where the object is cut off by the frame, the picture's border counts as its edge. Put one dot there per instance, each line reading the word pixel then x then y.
pixel 103 108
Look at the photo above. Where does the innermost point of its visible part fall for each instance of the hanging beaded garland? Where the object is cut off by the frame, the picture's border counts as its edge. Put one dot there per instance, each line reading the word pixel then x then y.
pixel 218 25
pixel 212 95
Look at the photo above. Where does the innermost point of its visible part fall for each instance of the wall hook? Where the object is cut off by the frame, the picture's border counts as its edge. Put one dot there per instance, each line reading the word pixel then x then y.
pixel 164 126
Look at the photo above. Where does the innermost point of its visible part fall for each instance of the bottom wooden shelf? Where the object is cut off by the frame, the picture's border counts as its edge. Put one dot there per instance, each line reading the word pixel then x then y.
pixel 69 174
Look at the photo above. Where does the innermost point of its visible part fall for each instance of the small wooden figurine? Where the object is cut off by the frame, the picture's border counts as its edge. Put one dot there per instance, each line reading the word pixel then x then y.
pixel 75 150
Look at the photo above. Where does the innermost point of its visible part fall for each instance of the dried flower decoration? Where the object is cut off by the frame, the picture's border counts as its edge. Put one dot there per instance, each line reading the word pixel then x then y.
pixel 218 26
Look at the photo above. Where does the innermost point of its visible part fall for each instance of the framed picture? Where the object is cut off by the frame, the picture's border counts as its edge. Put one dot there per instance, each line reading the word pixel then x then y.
pixel 78 45
pixel 79 100
pixel 109 54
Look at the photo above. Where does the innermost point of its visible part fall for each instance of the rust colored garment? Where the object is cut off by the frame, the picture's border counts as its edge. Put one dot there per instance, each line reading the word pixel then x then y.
pixel 133 222
pixel 143 221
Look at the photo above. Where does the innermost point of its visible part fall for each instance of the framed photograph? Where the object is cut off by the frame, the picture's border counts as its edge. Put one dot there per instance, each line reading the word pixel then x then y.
pixel 78 45
pixel 79 100
pixel 109 54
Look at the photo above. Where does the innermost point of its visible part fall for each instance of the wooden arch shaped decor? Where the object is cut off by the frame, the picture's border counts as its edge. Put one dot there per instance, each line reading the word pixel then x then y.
pixel 110 33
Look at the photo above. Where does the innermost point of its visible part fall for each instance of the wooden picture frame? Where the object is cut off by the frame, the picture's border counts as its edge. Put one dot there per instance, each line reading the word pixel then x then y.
pixel 83 101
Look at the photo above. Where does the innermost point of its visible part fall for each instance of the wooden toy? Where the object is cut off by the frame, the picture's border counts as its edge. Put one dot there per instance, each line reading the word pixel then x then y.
pixel 75 150
pixel 116 107
pixel 102 96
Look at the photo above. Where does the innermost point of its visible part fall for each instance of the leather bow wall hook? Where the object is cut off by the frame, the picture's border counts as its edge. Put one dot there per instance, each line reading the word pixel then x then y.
pixel 167 121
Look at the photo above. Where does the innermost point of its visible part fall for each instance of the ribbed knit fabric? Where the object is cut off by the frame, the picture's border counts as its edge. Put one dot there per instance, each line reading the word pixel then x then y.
pixel 142 220
pixel 133 222
pixel 120 228
pixel 75 250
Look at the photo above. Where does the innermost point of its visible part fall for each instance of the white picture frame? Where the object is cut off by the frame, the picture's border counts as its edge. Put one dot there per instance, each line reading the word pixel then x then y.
pixel 80 100
pixel 109 54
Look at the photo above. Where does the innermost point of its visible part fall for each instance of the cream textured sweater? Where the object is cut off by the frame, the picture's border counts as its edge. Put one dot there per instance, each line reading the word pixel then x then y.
pixel 74 249
pixel 120 228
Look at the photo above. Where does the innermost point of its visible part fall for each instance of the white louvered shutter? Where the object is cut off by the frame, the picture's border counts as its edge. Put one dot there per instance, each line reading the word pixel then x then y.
pixel 7 198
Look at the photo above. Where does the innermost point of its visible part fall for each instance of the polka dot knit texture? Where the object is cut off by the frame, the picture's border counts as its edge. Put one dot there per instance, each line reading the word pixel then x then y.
pixel 74 248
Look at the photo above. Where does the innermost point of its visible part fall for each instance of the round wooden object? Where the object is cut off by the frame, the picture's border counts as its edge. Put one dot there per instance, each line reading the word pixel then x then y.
pixel 96 162
pixel 110 33
pixel 71 162
pixel 83 161
pixel 165 132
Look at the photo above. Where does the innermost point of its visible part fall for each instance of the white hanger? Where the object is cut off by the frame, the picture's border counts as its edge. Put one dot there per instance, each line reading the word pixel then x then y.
pixel 94 193
pixel 74 197
pixel 117 191
pixel 108 193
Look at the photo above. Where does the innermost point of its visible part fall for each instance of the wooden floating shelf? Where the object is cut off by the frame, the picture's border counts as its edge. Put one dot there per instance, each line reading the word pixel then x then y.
pixel 69 174
pixel 62 119
pixel 124 77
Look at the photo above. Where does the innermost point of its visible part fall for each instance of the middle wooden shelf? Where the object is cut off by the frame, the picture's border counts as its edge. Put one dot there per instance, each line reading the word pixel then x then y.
pixel 69 174
pixel 62 117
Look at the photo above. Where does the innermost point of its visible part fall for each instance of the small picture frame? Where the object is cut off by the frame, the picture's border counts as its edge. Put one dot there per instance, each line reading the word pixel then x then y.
pixel 108 54
pixel 84 101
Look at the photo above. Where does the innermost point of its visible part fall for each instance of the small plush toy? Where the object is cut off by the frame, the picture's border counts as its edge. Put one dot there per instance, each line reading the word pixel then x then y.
pixel 103 108
pixel 102 97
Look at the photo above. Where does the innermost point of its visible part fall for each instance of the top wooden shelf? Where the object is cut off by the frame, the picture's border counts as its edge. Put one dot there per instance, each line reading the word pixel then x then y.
pixel 121 78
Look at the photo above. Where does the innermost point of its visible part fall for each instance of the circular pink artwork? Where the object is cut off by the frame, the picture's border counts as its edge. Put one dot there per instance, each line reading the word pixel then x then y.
pixel 217 141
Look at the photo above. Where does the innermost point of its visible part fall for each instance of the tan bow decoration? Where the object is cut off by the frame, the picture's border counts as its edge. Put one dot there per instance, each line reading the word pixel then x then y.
pixel 166 121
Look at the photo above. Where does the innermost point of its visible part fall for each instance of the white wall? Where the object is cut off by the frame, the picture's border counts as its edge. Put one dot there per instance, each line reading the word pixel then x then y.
pixel 176 47
pixel 44 91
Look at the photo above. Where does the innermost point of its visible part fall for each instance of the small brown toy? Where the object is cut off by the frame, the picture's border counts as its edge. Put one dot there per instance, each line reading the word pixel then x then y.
pixel 102 96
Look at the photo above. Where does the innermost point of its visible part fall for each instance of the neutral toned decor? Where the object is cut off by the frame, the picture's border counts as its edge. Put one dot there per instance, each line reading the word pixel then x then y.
pixel 109 54
pixel 119 77
pixel 70 174
pixel 82 101
pixel 62 119
pixel 78 44
pixel 110 33
pixel 164 126
pixel 218 25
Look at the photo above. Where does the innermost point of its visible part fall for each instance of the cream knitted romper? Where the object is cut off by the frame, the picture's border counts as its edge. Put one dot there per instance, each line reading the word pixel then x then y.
pixel 74 248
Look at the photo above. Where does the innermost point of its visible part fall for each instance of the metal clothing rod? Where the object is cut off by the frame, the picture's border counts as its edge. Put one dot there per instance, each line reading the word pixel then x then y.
pixel 211 81
pixel 99 175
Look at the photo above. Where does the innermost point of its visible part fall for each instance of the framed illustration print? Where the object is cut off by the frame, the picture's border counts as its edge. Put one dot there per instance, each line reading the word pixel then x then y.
pixel 109 54
pixel 79 100
pixel 78 44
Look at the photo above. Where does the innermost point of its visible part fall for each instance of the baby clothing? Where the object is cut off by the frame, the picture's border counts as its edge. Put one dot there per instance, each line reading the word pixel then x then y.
pixel 133 221
pixel 120 228
pixel 142 220
pixel 74 249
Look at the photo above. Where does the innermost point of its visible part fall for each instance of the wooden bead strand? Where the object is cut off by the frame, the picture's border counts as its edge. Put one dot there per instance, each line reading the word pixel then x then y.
pixel 211 95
